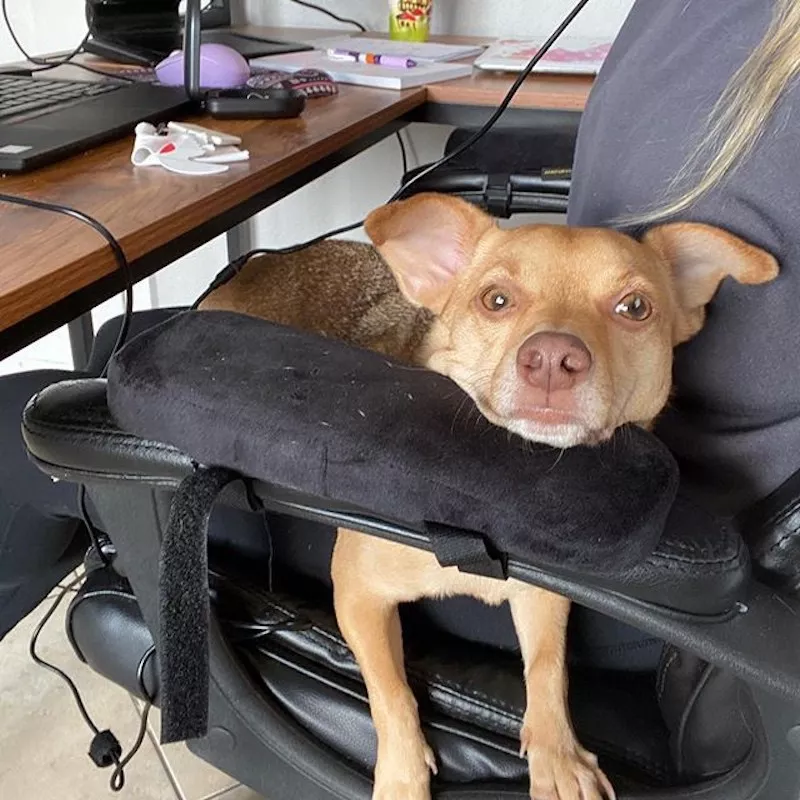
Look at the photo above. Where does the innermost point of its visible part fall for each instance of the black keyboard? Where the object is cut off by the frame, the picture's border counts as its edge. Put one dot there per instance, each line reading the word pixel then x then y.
pixel 23 95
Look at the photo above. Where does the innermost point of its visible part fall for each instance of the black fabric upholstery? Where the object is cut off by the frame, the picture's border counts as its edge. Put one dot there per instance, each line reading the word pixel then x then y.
pixel 317 415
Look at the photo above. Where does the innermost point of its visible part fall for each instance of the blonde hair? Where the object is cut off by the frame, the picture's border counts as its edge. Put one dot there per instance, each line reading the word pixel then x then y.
pixel 740 116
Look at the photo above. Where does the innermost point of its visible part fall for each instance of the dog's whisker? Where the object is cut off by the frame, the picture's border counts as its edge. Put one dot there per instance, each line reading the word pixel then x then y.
pixel 458 411
pixel 558 460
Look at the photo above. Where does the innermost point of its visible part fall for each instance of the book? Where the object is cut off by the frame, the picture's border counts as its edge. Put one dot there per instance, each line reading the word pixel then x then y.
pixel 360 74
pixel 417 51
pixel 569 55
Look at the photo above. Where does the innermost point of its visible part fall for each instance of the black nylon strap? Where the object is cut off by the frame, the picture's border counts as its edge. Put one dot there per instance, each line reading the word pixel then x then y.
pixel 466 550
pixel 184 609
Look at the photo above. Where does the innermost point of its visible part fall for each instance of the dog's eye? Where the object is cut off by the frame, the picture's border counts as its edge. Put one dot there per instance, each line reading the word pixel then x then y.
pixel 635 307
pixel 494 299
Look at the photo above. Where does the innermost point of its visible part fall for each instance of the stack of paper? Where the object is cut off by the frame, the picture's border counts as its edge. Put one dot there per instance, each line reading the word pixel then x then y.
pixel 366 74
pixel 417 51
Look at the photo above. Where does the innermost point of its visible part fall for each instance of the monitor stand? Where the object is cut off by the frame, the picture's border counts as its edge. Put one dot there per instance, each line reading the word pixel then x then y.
pixel 141 54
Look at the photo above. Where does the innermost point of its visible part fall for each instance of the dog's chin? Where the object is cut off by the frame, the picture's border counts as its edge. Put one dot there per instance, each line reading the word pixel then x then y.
pixel 549 426
pixel 559 434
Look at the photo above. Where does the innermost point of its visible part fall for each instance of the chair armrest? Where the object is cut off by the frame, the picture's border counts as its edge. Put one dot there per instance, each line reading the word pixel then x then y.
pixel 757 640
pixel 709 606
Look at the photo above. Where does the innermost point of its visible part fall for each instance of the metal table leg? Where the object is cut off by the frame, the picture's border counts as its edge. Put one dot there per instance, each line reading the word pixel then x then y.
pixel 240 238
pixel 81 339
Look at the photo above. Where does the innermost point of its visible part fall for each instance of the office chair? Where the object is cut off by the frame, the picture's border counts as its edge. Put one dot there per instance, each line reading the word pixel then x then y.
pixel 718 719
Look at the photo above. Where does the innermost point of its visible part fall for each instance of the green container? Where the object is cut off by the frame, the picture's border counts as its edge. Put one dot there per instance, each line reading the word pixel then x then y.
pixel 410 20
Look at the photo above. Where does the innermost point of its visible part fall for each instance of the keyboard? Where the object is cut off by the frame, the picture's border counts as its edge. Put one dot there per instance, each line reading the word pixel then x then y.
pixel 23 95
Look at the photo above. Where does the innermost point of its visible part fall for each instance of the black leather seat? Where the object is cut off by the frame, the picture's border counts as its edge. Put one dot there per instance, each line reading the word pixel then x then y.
pixel 288 710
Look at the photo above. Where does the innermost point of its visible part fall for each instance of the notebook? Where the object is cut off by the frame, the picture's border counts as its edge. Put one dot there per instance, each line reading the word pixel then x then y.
pixel 366 74
pixel 418 51
pixel 570 55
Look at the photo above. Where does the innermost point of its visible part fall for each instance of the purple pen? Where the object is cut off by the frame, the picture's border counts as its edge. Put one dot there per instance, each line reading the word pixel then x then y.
pixel 396 62
pixel 399 62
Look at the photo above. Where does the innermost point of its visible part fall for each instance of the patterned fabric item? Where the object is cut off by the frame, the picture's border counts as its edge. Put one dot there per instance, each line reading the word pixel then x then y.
pixel 309 82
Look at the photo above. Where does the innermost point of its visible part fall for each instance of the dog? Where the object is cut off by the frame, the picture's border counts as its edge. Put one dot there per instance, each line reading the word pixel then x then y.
pixel 559 334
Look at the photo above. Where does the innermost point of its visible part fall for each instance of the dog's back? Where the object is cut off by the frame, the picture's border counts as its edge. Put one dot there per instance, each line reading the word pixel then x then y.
pixel 339 289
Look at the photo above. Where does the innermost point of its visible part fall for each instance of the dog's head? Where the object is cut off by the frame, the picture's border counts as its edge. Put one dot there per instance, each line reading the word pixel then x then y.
pixel 559 334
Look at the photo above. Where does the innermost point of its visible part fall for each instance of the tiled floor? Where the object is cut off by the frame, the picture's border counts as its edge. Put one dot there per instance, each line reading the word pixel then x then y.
pixel 44 741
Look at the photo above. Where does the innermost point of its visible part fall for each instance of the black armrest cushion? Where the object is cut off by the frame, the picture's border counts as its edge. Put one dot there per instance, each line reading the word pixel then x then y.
pixel 316 415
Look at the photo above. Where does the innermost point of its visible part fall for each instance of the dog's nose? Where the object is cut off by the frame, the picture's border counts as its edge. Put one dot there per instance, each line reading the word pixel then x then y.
pixel 553 361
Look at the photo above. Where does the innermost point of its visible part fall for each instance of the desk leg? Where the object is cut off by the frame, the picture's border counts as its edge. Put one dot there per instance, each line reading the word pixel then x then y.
pixel 240 239
pixel 81 339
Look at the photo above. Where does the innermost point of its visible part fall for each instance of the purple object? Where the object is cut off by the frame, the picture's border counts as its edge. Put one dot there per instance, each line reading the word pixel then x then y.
pixel 221 67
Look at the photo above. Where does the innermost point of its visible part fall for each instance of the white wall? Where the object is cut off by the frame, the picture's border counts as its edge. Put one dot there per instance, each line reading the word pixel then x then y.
pixel 466 17
pixel 340 197
pixel 42 26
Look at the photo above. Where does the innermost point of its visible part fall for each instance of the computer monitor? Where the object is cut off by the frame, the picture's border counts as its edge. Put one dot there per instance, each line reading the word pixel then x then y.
pixel 144 32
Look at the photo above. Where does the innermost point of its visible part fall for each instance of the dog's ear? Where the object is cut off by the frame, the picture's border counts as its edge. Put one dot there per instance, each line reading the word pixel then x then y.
pixel 427 241
pixel 700 257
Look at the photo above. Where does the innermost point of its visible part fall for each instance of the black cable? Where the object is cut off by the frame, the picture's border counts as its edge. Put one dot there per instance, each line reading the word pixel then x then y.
pixel 117 781
pixel 330 14
pixel 498 112
pixel 235 266
pixel 105 749
pixel 116 249
pixel 403 153
pixel 46 64
pixel 47 665
pixel 94 535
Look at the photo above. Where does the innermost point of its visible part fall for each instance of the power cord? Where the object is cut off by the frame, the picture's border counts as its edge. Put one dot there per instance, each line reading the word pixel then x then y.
pixel 105 748
pixel 119 255
pixel 46 64
pixel 330 14
pixel 232 269
pixel 95 536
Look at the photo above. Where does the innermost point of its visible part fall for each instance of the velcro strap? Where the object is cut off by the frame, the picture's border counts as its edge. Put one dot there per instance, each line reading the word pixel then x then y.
pixel 467 550
pixel 184 608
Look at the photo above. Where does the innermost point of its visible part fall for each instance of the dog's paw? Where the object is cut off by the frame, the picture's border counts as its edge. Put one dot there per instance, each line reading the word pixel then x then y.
pixel 402 790
pixel 567 773
pixel 407 777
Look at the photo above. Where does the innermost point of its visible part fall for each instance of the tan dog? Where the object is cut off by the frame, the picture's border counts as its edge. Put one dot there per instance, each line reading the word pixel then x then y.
pixel 560 335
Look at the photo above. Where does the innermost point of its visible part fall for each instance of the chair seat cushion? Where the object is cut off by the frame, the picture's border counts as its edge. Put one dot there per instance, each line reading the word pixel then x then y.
pixel 472 697
pixel 338 422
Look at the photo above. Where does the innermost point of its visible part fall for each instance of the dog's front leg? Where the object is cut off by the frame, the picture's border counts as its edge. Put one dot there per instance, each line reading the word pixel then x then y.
pixel 560 769
pixel 370 623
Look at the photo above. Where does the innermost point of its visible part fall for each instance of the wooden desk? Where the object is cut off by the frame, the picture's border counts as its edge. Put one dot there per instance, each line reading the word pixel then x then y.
pixel 540 91
pixel 53 269
pixel 47 262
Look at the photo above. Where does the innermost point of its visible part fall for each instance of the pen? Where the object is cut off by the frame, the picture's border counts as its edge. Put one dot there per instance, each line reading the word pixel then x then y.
pixel 399 62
